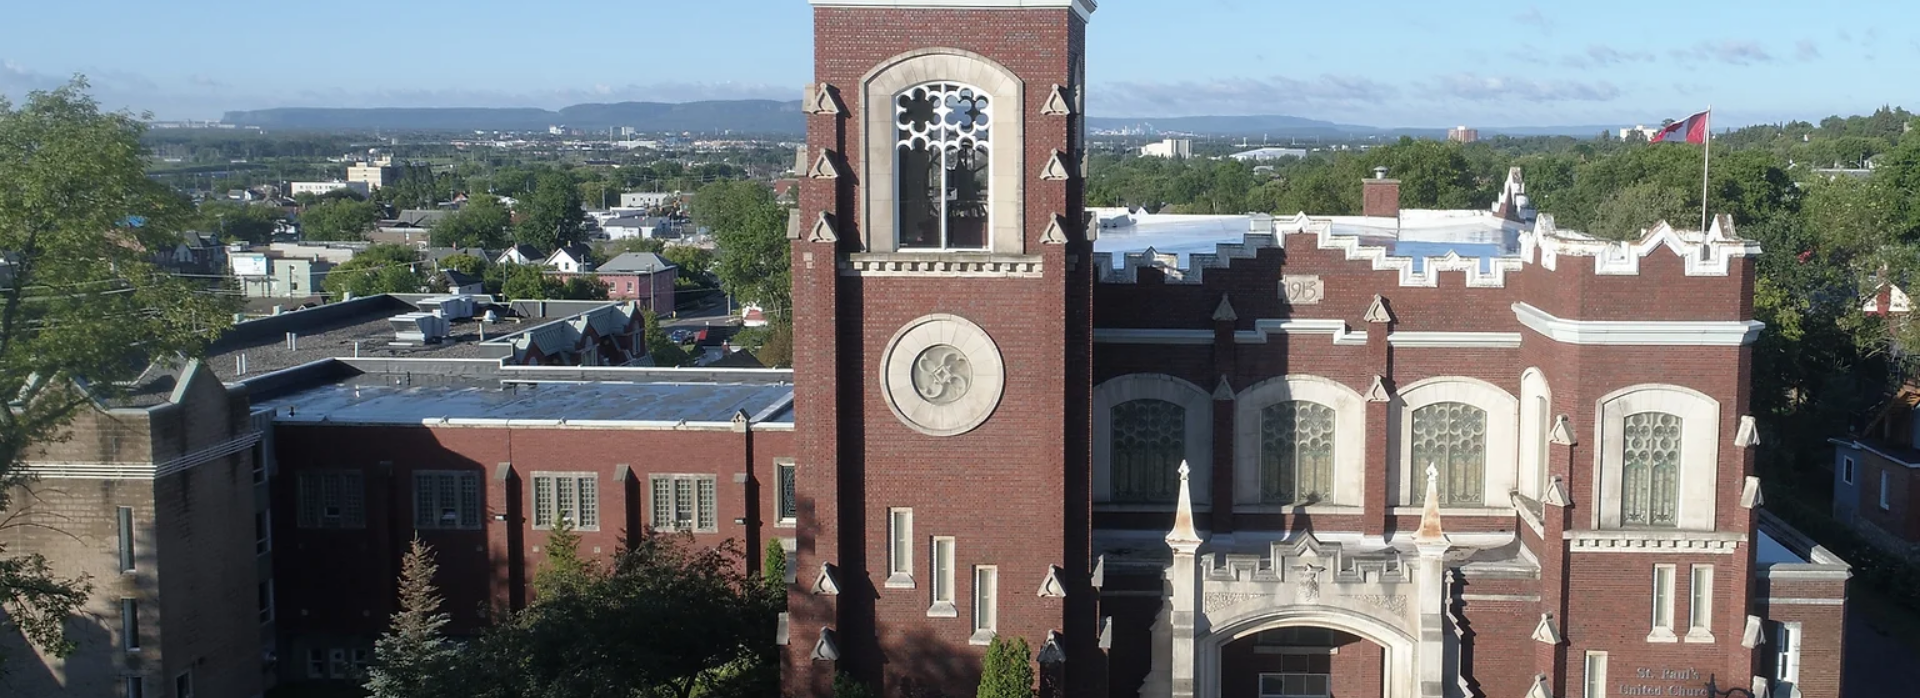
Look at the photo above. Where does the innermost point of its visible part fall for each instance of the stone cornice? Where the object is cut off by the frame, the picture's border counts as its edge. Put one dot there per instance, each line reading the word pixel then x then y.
pixel 1690 333
pixel 1083 8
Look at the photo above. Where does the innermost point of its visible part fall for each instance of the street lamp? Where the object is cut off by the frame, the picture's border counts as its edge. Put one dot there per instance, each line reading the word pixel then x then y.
pixel 1713 689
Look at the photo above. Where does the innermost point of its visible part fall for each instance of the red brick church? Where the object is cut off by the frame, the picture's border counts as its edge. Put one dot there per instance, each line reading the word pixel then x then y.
pixel 1202 472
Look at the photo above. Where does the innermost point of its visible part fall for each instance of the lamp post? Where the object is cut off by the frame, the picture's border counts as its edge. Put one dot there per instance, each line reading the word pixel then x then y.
pixel 1713 689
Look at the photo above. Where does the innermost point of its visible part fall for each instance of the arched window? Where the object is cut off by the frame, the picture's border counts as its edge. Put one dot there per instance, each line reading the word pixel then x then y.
pixel 1296 453
pixel 944 136
pixel 1650 472
pixel 1542 435
pixel 1149 441
pixel 1452 436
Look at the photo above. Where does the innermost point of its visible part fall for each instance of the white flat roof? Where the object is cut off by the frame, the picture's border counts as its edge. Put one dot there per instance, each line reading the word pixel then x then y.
pixel 1417 233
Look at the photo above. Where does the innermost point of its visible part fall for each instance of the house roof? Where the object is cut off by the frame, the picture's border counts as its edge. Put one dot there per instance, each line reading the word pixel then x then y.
pixel 636 263
pixel 419 218
pixel 528 252
pixel 632 222
pixel 456 277
pixel 578 253
pixel 435 254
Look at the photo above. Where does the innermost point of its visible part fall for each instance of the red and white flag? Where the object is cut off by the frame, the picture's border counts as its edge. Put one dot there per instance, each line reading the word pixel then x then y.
pixel 1692 129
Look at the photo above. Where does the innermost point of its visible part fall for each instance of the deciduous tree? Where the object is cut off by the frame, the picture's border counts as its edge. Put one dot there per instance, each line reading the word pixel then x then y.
pixel 338 219
pixel 482 223
pixel 376 270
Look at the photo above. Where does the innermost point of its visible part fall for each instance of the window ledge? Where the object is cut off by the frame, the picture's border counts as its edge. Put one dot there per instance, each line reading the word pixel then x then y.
pixel 786 523
pixel 1310 509
pixel 1700 636
pixel 943 609
pixel 899 581
pixel 1168 508
pixel 981 637
pixel 1502 512
pixel 1662 635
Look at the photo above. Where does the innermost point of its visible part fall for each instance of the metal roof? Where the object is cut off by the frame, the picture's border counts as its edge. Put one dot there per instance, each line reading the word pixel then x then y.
pixel 534 404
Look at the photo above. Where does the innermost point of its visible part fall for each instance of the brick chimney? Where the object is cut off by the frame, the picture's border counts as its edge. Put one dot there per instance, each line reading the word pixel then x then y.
pixel 1380 196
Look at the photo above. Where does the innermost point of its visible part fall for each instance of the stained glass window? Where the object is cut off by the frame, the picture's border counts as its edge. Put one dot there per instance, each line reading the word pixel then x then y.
pixel 944 132
pixel 1650 474
pixel 1296 452
pixel 1451 436
pixel 1149 441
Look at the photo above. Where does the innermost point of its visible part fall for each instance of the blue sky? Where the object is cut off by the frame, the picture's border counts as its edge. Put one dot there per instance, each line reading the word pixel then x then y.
pixel 1377 62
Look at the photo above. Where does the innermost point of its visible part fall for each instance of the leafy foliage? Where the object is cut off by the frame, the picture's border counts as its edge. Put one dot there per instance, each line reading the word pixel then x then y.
pixel 482 222
pixel 409 658
pixel 773 573
pixel 664 352
pixel 845 686
pixel 233 220
pixel 563 572
pixel 77 216
pixel 750 229
pixel 338 219
pixel 376 270
pixel 465 264
pixel 553 213
pixel 1007 671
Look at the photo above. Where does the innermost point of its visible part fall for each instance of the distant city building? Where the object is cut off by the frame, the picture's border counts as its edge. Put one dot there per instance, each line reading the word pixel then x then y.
pixel 1462 134
pixel 1169 148
pixel 1642 130
pixel 646 199
pixel 362 188
pixel 375 172
pixel 1269 154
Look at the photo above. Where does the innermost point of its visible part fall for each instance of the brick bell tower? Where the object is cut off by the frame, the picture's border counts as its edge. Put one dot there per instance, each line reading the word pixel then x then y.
pixel 942 326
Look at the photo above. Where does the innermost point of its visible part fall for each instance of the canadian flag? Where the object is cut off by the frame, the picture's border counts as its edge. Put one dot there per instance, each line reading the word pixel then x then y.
pixel 1692 129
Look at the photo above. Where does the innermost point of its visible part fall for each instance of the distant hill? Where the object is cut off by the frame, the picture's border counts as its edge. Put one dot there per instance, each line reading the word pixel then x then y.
pixel 752 116
pixel 772 117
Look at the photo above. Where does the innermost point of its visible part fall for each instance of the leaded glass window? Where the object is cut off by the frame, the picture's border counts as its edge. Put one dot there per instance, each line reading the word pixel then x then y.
pixel 1149 441
pixel 1296 452
pixel 1451 436
pixel 944 132
pixel 1650 476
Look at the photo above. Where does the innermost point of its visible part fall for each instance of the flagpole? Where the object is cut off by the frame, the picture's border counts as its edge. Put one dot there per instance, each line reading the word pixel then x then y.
pixel 1706 166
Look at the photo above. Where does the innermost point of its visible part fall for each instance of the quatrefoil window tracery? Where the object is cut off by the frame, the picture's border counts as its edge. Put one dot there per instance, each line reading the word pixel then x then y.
pixel 946 116
pixel 943 137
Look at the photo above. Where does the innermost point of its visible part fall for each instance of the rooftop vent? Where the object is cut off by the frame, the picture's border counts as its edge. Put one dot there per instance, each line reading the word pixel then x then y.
pixel 422 328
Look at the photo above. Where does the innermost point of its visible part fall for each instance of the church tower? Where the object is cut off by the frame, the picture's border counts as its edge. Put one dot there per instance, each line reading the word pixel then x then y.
pixel 942 344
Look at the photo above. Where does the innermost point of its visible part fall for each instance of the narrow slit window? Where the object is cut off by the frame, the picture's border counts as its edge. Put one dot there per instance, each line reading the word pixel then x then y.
pixel 942 572
pixel 900 547
pixel 130 625
pixel 1596 674
pixel 1700 608
pixel 986 599
pixel 125 519
pixel 1663 598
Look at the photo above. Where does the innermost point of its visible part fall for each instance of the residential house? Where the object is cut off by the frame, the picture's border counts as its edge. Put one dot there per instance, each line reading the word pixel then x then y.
pixel 271 275
pixel 461 283
pixel 194 253
pixel 640 276
pixel 572 259
pixel 520 254
pixel 629 227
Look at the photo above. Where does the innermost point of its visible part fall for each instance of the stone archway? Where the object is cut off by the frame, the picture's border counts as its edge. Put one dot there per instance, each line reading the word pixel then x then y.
pixel 1399 645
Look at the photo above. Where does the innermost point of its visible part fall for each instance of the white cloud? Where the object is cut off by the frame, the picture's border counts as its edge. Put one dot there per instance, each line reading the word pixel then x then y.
pixel 1485 88
pixel 1239 96
pixel 1731 52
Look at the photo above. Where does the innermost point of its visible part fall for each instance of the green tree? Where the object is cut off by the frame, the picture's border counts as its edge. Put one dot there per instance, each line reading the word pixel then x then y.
pixel 584 288
pixel 694 262
pixel 339 219
pixel 553 213
pixel 77 212
pixel 410 657
pixel 1629 211
pixel 465 264
pixel 233 220
pixel 482 223
pixel 529 282
pixel 845 686
pixel 750 230
pixel 1007 671
pixel 563 572
pixel 376 270
pixel 773 573
pixel 664 352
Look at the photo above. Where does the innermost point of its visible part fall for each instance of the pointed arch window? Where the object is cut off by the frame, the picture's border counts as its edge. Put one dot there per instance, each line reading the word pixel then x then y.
pixel 1149 441
pixel 1650 474
pixel 1296 452
pixel 944 140
pixel 1453 437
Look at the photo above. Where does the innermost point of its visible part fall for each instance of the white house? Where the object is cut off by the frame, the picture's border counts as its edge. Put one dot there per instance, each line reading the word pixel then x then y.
pixel 646 199
pixel 569 260
pixel 520 254
pixel 626 227
pixel 319 188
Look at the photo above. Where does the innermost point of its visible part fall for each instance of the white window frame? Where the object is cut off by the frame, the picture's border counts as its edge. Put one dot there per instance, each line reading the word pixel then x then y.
pixel 1536 420
pixel 577 512
pixel 468 504
pixel 786 508
pixel 1349 440
pixel 130 624
pixel 986 604
pixel 1699 452
pixel 183 684
pixel 361 659
pixel 266 612
pixel 1663 604
pixel 337 666
pixel 1786 643
pixel 1700 604
pixel 1596 675
pixel 1198 436
pixel 263 538
pixel 899 548
pixel 940 563
pixel 673 502
pixel 993 183
pixel 1502 439
pixel 1846 469
pixel 1886 503
pixel 350 512
pixel 123 521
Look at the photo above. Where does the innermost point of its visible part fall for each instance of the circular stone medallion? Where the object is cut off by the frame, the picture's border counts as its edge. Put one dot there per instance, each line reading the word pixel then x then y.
pixel 942 375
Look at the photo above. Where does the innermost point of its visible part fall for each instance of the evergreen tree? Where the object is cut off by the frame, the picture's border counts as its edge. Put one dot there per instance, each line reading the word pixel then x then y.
pixel 773 574
pixel 1007 671
pixel 564 572
pixel 845 686
pixel 412 655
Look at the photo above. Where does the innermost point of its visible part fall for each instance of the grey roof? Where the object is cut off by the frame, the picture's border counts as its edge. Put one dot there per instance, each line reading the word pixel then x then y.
pixel 631 222
pixel 537 403
pixel 635 263
pixel 435 254
pixel 421 218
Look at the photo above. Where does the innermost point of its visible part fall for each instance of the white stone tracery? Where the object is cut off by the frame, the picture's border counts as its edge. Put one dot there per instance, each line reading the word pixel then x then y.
pixel 950 125
pixel 1698 439
pixel 1197 441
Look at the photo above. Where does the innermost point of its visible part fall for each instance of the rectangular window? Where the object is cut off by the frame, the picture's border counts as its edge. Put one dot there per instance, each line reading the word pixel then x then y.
pixel 183 685
pixel 1700 608
pixel 1596 674
pixel 332 499
pixel 1663 599
pixel 900 548
pixel 125 517
pixel 1292 685
pixel 262 533
pixel 259 463
pixel 986 598
pixel 337 667
pixel 686 503
pixel 1846 469
pixel 316 664
pixel 574 497
pixel 134 686
pixel 1885 503
pixel 1786 656
pixel 785 508
pixel 942 572
pixel 446 499
pixel 130 625
pixel 359 663
pixel 266 602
